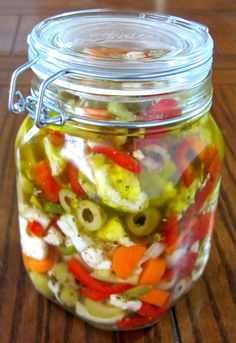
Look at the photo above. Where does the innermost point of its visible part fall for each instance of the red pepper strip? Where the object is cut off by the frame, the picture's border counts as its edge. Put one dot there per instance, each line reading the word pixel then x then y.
pixel 187 224
pixel 203 195
pixel 168 276
pixel 188 176
pixel 196 147
pixel 162 110
pixel 122 159
pixel 215 168
pixel 148 310
pixel 93 294
pixel 203 228
pixel 171 229
pixel 185 265
pixel 74 180
pixel 36 228
pixel 46 182
pixel 81 274
pixel 57 138
pixel 133 322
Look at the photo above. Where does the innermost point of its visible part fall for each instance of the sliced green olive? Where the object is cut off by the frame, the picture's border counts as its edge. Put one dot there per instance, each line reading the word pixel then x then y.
pixel 90 215
pixel 40 282
pixel 137 291
pixel 61 273
pixel 100 310
pixel 144 222
pixel 69 296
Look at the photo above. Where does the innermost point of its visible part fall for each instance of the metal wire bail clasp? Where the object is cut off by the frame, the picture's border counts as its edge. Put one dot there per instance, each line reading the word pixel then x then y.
pixel 20 105
pixel 41 117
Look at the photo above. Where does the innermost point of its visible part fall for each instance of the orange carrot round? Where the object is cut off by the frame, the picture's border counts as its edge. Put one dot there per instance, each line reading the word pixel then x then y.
pixel 153 270
pixel 125 260
pixel 98 113
pixel 39 266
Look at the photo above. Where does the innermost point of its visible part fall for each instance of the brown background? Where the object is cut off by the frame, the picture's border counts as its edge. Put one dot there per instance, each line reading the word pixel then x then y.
pixel 208 312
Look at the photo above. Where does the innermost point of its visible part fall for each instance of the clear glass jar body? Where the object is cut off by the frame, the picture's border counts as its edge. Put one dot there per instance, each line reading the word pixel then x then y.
pixel 116 223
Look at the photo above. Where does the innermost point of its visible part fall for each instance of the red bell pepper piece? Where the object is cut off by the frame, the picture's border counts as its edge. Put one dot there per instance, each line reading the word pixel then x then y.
pixel 45 181
pixel 93 294
pixel 36 228
pixel 185 265
pixel 203 227
pixel 74 180
pixel 171 229
pixel 57 138
pixel 81 274
pixel 168 276
pixel 215 168
pixel 188 146
pixel 150 311
pixel 122 159
pixel 162 110
pixel 132 322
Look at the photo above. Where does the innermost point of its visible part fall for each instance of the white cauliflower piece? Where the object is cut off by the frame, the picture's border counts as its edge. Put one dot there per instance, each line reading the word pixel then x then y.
pixel 95 258
pixel 34 214
pixel 119 188
pixel 68 226
pixel 31 246
pixel 125 304
pixel 54 237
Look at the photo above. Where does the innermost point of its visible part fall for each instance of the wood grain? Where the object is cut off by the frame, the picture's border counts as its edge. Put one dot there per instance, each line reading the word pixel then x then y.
pixel 208 312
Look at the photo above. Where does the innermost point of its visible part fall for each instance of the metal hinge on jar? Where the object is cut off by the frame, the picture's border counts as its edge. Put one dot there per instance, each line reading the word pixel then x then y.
pixel 35 106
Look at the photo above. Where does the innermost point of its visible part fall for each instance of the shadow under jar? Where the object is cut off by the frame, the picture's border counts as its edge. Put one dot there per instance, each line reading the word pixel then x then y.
pixel 118 163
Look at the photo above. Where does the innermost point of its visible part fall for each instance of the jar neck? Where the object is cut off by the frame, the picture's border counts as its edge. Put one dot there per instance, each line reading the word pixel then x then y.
pixel 189 104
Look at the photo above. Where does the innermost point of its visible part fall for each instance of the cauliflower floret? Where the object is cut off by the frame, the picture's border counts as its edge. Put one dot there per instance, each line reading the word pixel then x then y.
pixel 34 214
pixel 55 288
pixel 57 163
pixel 123 302
pixel 68 226
pixel 114 232
pixel 31 246
pixel 95 258
pixel 119 188
pixel 54 237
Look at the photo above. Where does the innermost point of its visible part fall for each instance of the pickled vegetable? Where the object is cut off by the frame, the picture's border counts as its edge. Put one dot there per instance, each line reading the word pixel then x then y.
pixel 40 282
pixel 119 233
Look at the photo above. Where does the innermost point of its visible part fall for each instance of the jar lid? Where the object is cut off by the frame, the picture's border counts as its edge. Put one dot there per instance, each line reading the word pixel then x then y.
pixel 169 52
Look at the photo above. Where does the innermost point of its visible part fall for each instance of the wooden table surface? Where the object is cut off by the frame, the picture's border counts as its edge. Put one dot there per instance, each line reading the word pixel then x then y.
pixel 208 313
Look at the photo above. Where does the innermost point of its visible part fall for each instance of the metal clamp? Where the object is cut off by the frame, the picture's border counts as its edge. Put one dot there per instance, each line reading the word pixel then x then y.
pixel 41 117
pixel 20 105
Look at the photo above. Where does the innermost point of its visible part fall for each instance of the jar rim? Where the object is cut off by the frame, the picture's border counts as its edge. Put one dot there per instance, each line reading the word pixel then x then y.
pixel 169 52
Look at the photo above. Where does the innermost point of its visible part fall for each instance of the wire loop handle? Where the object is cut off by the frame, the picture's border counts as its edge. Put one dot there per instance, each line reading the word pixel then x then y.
pixel 20 105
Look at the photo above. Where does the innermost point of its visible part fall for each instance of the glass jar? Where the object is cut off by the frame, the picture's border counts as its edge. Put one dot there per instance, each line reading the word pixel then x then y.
pixel 118 163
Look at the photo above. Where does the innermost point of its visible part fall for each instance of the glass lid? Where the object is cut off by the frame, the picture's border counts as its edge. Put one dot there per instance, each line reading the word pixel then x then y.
pixel 121 46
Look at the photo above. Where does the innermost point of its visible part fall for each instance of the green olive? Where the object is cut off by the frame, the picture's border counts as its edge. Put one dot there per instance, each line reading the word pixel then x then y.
pixel 40 282
pixel 144 222
pixel 61 273
pixel 69 296
pixel 90 215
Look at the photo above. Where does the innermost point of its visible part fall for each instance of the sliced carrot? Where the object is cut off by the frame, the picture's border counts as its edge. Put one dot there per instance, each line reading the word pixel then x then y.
pixel 153 270
pixel 98 113
pixel 125 259
pixel 155 297
pixel 106 52
pixel 39 266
